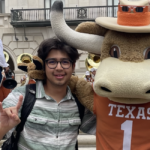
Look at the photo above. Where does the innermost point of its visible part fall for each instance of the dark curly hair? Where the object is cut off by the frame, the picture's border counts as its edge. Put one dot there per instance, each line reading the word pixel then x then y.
pixel 53 43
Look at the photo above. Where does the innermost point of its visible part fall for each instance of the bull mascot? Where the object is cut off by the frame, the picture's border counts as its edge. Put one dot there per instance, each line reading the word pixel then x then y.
pixel 120 96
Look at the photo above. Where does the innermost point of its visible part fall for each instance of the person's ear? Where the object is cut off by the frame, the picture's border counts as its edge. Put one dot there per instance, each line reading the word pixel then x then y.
pixel 73 67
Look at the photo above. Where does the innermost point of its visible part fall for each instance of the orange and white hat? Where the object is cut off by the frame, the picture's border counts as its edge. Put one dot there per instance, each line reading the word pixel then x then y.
pixel 133 17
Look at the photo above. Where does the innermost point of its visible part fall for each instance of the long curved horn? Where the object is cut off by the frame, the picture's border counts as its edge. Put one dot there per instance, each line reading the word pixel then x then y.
pixel 82 41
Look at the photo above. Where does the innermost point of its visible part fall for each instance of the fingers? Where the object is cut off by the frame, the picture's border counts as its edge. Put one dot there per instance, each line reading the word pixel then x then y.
pixel 16 118
pixel 12 113
pixel 12 116
pixel 1 108
pixel 9 112
pixel 19 102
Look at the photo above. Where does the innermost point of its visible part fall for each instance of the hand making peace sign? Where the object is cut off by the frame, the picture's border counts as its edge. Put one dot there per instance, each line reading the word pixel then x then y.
pixel 9 116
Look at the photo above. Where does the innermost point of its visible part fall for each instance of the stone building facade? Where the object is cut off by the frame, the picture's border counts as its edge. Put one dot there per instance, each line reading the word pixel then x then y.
pixel 34 35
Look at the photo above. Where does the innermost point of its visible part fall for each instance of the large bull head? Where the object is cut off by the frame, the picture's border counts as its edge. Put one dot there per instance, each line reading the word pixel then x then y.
pixel 124 73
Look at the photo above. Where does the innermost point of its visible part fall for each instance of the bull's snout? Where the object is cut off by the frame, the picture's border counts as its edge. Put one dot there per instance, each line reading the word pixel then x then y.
pixel 107 90
pixel 127 89
pixel 117 79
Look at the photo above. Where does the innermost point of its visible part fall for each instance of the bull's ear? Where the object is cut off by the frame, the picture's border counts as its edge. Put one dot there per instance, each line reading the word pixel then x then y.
pixel 22 66
pixel 38 62
pixel 91 28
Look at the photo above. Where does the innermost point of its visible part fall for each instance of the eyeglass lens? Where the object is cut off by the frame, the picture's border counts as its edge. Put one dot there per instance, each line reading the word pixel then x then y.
pixel 138 9
pixel 53 64
pixel 125 9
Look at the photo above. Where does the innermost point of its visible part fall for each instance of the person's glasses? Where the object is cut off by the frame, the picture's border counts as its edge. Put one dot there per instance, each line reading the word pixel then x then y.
pixel 133 9
pixel 52 64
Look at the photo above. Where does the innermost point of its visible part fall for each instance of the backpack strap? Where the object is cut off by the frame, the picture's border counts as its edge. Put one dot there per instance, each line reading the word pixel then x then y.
pixel 81 109
pixel 27 107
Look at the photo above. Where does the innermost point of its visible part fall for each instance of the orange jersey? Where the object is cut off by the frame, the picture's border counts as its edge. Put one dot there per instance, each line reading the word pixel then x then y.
pixel 121 126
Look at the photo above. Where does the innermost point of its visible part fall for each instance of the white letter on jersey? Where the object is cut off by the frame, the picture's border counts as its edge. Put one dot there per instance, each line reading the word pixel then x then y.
pixel 148 112
pixel 130 112
pixel 141 113
pixel 119 111
pixel 111 110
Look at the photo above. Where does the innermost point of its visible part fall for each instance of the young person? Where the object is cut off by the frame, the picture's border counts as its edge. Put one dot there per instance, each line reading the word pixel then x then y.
pixel 54 120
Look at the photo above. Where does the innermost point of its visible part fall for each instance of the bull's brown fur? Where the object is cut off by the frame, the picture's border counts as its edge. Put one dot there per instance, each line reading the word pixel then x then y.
pixel 31 69
pixel 36 74
pixel 31 66
pixel 131 45
pixel 85 93
pixel 38 59
pixel 72 83
pixel 91 28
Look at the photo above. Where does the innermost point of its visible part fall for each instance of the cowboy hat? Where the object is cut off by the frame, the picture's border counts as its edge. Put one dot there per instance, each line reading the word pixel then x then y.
pixel 115 24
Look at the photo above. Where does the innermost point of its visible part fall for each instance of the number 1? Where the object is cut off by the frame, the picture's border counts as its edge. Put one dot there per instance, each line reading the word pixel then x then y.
pixel 127 127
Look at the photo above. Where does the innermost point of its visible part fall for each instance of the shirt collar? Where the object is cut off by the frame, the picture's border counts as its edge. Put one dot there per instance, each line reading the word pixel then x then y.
pixel 40 92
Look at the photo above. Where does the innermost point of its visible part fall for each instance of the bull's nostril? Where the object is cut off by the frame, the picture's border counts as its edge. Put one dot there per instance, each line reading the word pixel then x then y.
pixel 105 89
pixel 148 92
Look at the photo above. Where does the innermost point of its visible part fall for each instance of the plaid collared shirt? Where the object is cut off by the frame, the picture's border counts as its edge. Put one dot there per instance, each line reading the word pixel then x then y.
pixel 51 125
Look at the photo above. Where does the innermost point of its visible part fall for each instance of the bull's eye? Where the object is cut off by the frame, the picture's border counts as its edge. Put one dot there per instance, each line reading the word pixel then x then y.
pixel 147 53
pixel 115 52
